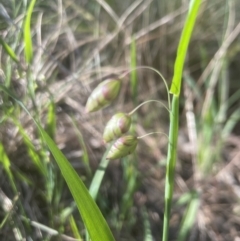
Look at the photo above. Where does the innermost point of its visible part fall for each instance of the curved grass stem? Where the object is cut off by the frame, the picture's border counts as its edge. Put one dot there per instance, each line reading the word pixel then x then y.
pixel 157 132
pixel 145 102
pixel 156 71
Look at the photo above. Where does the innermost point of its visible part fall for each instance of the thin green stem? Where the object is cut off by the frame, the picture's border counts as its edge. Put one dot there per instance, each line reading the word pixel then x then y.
pixel 171 163
pixel 174 115
pixel 156 71
pixel 99 174
pixel 145 102
pixel 97 179
pixel 157 132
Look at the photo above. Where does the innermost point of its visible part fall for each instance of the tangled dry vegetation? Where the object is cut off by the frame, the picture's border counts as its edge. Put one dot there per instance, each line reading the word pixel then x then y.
pixel 77 44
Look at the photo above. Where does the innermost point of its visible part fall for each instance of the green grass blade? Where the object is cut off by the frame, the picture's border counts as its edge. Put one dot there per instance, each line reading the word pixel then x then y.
pixel 235 97
pixel 133 79
pixel 9 212
pixel 90 213
pixel 183 45
pixel 9 50
pixel 6 165
pixel 34 156
pixel 51 120
pixel 189 217
pixel 27 33
pixel 134 83
pixel 4 220
pixel 194 87
pixel 233 119
pixel 85 156
pixel 98 177
pixel 184 199
pixel 74 228
pixel 99 174
pixel 130 177
pixel 171 163
pixel 174 115
pixel 146 225
pixel 23 177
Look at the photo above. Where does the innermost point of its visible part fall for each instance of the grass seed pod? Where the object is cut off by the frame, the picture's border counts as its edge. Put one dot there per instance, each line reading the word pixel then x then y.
pixel 117 126
pixel 122 147
pixel 103 95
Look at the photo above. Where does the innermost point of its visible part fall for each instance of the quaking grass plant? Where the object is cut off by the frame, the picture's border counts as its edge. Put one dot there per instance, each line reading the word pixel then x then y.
pixel 95 224
pixel 120 123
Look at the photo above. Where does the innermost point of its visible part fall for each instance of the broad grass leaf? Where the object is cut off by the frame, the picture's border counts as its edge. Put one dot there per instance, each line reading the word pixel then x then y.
pixel 183 45
pixel 91 215
pixel 95 223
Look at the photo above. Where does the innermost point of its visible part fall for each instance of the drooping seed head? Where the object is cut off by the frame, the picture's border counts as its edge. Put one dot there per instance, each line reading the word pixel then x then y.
pixel 103 95
pixel 122 147
pixel 117 126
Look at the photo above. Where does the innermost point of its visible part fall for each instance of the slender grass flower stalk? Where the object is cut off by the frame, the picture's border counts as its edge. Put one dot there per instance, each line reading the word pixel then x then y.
pixel 103 95
pixel 120 123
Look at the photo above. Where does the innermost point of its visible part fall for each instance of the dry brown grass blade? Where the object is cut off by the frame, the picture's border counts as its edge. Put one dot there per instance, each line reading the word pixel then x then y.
pixel 87 126
pixel 217 61
pixel 137 12
pixel 50 231
pixel 109 10
pixel 166 19
pixel 8 206
pixel 111 36
pixel 5 202
pixel 192 131
pixel 217 57
pixel 151 142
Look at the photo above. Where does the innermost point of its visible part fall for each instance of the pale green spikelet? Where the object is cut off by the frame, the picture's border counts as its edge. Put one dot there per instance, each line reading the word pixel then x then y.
pixel 117 126
pixel 103 95
pixel 122 147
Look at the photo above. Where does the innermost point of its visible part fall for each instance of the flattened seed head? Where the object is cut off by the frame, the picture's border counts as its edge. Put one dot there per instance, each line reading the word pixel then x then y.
pixel 117 126
pixel 103 95
pixel 122 147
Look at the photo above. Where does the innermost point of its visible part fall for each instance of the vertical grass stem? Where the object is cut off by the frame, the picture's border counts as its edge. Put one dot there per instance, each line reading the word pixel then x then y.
pixel 174 115
pixel 171 162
